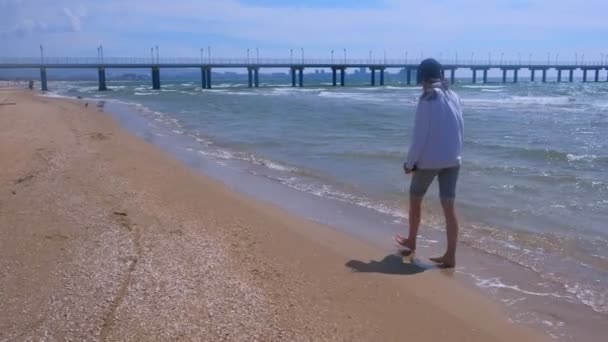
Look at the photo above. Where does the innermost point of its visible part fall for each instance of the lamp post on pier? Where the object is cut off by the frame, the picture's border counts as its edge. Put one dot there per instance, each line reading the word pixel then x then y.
pixel 344 55
pixel 41 54
pixel 332 57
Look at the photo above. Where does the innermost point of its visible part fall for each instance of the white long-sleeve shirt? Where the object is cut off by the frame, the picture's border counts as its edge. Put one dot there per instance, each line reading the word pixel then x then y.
pixel 438 130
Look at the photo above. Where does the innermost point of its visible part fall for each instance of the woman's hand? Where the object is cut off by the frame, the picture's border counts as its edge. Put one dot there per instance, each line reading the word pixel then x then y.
pixel 407 169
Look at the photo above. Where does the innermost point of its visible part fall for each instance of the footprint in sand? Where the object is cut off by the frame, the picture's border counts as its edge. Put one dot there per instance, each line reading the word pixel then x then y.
pixel 122 219
pixel 56 237
pixel 99 136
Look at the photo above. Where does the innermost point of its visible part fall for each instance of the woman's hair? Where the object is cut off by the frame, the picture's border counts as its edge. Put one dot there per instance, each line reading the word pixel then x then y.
pixel 429 69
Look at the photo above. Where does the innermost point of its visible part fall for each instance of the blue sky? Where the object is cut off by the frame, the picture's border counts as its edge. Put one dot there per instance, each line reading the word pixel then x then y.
pixel 428 27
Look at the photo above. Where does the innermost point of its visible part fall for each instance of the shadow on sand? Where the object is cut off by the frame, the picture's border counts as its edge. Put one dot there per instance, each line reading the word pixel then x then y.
pixel 391 264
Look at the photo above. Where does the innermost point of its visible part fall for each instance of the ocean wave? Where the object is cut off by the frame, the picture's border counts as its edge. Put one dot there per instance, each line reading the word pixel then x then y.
pixel 496 282
pixel 545 154
pixel 581 158
pixel 353 96
pixel 245 93
pixel 522 100
pixel 289 91
pixel 483 86
pixel 329 192
pixel 247 157
pixel 55 95
pixel 143 94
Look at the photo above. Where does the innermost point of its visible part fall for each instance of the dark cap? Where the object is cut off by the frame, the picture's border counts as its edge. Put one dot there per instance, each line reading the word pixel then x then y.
pixel 428 69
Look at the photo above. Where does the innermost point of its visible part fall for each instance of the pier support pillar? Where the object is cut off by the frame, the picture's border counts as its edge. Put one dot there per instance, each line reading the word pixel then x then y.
pixel 249 77
pixel 544 75
pixel 203 78
pixel 101 77
pixel 408 76
pixel 452 76
pixel 334 76
pixel 515 72
pixel 342 75
pixel 584 75
pixel 43 85
pixel 301 72
pixel 571 76
pixel 293 77
pixel 485 76
pixel 504 75
pixel 597 75
pixel 208 74
pixel 559 75
pixel 155 78
pixel 382 76
pixel 532 75
pixel 256 77
pixel 474 76
pixel 373 72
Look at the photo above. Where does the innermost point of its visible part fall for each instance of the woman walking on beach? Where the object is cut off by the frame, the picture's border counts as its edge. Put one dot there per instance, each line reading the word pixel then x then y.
pixel 435 152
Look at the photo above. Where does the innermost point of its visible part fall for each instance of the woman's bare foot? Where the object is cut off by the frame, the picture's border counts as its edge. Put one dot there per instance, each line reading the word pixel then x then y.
pixel 445 261
pixel 405 242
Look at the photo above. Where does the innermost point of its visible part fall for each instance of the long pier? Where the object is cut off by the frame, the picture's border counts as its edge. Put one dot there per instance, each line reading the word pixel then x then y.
pixel 376 68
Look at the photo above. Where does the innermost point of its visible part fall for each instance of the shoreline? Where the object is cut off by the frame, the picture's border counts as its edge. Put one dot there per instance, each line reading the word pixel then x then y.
pixel 132 223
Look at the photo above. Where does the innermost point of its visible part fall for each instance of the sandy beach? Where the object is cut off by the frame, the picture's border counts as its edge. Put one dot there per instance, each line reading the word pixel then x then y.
pixel 104 237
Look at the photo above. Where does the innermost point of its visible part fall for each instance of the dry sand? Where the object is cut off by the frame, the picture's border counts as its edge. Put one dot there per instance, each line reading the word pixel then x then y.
pixel 104 237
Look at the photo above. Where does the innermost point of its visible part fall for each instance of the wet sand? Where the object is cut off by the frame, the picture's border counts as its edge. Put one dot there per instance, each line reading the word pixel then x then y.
pixel 104 237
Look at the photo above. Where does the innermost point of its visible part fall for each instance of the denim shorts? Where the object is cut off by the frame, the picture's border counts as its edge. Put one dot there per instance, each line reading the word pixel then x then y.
pixel 422 179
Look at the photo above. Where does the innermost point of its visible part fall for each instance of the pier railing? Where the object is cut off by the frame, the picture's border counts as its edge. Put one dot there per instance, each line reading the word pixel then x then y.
pixel 321 62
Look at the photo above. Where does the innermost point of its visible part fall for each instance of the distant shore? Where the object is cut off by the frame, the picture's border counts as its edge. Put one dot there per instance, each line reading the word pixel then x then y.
pixel 104 237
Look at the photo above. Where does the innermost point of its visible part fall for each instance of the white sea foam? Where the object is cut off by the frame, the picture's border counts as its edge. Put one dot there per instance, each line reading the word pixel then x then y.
pixel 522 100
pixel 582 157
pixel 483 86
pixel 327 191
pixel 143 94
pixel 55 95
pixel 496 282
pixel 353 96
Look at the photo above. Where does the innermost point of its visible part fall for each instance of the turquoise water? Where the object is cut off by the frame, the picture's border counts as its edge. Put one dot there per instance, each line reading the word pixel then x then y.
pixel 533 191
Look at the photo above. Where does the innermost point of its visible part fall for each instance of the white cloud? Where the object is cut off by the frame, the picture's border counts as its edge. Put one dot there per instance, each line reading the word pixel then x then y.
pixel 74 18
